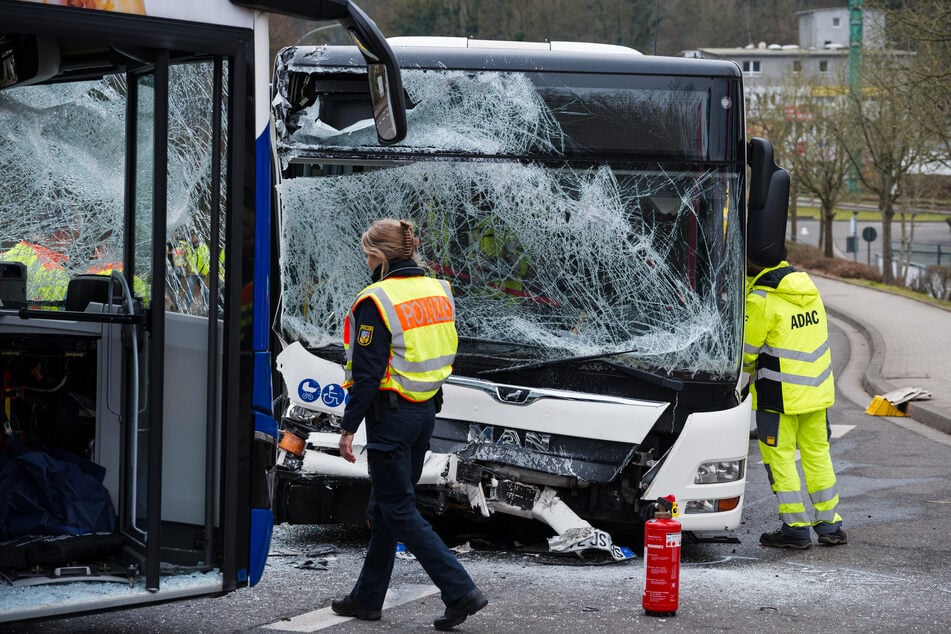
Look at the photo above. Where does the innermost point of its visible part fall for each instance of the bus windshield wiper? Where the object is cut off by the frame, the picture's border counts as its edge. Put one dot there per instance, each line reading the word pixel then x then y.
pixel 649 377
pixel 492 349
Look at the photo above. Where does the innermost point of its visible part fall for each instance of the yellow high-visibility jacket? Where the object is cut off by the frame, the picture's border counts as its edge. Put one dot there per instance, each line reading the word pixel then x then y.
pixel 786 343
pixel 420 315
pixel 46 277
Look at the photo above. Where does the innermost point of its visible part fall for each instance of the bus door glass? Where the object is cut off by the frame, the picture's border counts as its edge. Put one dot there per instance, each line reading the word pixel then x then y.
pixel 122 177
pixel 140 164
pixel 178 190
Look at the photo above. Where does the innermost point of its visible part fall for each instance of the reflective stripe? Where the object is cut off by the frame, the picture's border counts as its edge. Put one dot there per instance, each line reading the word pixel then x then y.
pixel 795 379
pixel 393 320
pixel 826 516
pixel 759 292
pixel 789 497
pixel 791 509
pixel 796 355
pixel 428 365
pixel 795 519
pixel 415 386
pixel 825 495
pixel 751 349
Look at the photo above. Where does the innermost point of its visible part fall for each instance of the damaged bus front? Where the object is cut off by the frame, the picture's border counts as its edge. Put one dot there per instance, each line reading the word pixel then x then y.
pixel 588 206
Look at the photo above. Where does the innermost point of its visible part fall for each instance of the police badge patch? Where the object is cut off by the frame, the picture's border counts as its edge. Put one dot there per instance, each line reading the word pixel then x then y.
pixel 365 335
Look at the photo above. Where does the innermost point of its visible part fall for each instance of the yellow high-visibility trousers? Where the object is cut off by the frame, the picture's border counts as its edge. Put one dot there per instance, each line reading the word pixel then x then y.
pixel 779 435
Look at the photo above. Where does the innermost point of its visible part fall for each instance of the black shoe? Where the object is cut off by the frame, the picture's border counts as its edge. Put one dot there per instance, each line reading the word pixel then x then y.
pixel 456 613
pixel 779 539
pixel 349 607
pixel 837 538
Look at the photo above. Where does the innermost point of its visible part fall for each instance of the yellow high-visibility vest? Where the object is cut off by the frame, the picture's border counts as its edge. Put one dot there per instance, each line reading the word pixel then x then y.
pixel 198 258
pixel 420 315
pixel 46 277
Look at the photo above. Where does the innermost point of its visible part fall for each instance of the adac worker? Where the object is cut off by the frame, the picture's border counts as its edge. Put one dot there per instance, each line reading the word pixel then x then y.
pixel 786 351
pixel 400 341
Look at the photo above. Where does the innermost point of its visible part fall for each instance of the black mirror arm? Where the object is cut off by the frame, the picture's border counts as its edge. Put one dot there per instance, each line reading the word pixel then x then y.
pixel 376 50
pixel 371 43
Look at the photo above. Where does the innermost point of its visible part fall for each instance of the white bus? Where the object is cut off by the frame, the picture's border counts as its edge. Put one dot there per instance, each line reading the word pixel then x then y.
pixel 137 439
pixel 592 209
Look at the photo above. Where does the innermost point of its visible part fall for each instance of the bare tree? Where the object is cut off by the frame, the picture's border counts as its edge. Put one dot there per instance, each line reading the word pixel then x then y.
pixel 820 160
pixel 767 117
pixel 886 115
pixel 804 119
pixel 924 26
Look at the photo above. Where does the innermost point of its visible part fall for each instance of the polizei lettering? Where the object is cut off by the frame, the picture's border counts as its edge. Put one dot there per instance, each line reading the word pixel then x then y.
pixel 800 320
pixel 424 311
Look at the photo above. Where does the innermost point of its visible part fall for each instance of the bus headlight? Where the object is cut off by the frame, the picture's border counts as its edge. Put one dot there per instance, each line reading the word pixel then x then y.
pixel 716 505
pixel 301 417
pixel 721 471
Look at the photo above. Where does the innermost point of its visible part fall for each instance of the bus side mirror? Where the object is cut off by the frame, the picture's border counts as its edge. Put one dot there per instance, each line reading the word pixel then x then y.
pixel 25 60
pixel 768 207
pixel 386 82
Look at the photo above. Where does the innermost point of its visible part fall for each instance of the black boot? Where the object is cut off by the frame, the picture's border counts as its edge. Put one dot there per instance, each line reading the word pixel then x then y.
pixel 838 538
pixel 782 539
pixel 472 602
pixel 348 606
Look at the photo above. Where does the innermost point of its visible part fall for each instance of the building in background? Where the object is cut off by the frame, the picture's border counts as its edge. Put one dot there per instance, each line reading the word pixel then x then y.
pixel 822 54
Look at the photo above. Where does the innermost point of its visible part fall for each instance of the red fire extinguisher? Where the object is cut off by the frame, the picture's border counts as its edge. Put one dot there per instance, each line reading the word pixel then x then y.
pixel 662 560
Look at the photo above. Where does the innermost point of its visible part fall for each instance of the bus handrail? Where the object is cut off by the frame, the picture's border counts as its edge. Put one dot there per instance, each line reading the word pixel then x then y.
pixel 76 315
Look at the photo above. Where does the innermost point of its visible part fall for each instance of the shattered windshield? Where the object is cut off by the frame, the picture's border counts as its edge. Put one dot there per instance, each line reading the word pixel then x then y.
pixel 548 260
pixel 62 156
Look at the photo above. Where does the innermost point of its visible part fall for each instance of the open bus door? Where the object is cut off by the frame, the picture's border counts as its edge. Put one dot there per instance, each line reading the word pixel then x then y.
pixel 133 133
pixel 126 372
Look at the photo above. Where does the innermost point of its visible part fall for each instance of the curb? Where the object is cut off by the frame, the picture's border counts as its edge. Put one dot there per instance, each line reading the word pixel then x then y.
pixel 874 384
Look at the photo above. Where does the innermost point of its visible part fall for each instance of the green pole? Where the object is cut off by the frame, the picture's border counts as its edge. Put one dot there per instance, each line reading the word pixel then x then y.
pixel 855 44
pixel 856 11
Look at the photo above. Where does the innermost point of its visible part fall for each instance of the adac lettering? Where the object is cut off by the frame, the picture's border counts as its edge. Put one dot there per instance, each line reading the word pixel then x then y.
pixel 800 320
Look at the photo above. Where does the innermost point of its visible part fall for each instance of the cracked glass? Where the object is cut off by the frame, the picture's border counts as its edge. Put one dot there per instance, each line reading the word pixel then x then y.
pixel 525 198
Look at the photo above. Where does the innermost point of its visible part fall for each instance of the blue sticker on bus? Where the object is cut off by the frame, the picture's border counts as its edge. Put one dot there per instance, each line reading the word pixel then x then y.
pixel 308 390
pixel 333 395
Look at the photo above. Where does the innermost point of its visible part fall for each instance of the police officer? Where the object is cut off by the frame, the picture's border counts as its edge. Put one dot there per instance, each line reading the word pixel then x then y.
pixel 400 341
pixel 786 351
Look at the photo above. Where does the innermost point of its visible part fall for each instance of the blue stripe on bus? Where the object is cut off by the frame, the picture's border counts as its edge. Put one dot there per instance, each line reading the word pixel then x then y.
pixel 262 523
pixel 262 520
pixel 262 398
pixel 262 240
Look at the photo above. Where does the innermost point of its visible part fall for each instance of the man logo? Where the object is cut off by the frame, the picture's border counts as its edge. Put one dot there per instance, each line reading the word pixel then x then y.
pixel 365 335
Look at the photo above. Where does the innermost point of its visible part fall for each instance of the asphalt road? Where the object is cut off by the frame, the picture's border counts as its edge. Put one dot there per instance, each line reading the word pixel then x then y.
pixel 893 576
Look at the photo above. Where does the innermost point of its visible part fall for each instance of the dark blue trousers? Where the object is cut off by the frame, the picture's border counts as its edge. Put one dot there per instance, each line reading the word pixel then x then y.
pixel 396 446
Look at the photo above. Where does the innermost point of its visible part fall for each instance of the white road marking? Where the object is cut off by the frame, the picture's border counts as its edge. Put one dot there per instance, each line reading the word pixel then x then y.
pixel 841 430
pixel 324 617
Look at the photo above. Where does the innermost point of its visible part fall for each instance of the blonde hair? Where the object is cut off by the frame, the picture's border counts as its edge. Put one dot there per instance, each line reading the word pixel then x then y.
pixel 390 240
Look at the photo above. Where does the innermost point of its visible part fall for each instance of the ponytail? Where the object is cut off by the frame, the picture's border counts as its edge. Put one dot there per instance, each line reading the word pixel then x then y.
pixel 390 240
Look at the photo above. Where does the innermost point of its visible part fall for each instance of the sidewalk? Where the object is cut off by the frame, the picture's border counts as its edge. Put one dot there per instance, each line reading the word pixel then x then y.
pixel 910 343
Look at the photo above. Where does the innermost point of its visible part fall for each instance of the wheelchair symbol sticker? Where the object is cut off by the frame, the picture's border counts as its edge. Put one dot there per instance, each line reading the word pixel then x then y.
pixel 333 395
pixel 308 390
